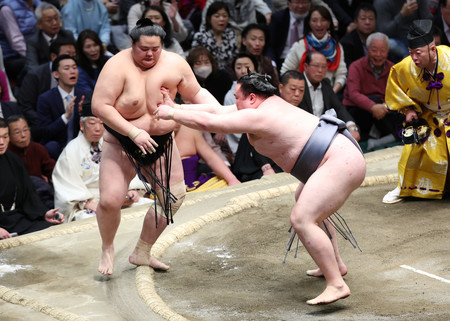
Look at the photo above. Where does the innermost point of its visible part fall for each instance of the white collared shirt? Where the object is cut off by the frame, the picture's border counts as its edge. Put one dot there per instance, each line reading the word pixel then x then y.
pixel 287 45
pixel 63 94
pixel 316 98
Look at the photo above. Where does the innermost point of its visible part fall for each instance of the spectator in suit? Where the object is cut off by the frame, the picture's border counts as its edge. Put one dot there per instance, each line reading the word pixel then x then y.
pixel 292 87
pixel 57 108
pixel 442 21
pixel 38 80
pixel 49 24
pixel 286 28
pixel 34 156
pixel 364 94
pixel 319 96
pixel 91 57
pixel 17 25
pixel 354 42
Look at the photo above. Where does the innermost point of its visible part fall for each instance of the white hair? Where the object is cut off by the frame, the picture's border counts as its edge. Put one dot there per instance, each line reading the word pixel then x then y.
pixel 377 36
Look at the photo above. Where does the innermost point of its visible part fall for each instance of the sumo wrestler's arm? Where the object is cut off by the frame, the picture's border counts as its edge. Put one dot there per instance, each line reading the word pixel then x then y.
pixel 243 121
pixel 199 98
pixel 109 87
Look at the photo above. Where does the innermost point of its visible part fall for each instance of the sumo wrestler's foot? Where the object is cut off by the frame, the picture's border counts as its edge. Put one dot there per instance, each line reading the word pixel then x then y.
pixel 330 295
pixel 148 260
pixel 106 265
pixel 318 273
pixel 141 256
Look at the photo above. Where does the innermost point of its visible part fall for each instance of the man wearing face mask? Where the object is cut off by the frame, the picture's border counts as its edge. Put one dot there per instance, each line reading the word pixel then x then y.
pixel 286 27
pixel 208 74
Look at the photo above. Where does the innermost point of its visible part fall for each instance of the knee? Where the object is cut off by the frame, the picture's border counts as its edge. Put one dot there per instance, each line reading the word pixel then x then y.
pixel 179 191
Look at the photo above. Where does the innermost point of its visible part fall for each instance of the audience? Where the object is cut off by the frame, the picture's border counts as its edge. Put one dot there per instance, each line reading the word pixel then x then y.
pixel 34 156
pixel 302 37
pixel 320 36
pixel 192 146
pixel 241 64
pixel 180 31
pixel 394 19
pixel 243 12
pixel 79 15
pixel 8 108
pixel 286 28
pixel 76 174
pixel 38 80
pixel 354 42
pixel 57 108
pixel 91 58
pixel 254 42
pixel 159 16
pixel 21 209
pixel 208 74
pixel 216 35
pixel 49 24
pixel 319 96
pixel 442 21
pixel 17 25
pixel 292 87
pixel 364 94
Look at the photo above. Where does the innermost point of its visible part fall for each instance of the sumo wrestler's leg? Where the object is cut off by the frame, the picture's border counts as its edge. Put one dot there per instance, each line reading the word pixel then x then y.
pixel 323 194
pixel 115 175
pixel 337 255
pixel 150 232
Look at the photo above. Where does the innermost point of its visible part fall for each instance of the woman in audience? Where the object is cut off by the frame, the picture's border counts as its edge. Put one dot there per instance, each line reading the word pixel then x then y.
pixel 208 73
pixel 91 59
pixel 320 36
pixel 216 35
pixel 157 15
pixel 240 64
pixel 180 32
pixel 254 40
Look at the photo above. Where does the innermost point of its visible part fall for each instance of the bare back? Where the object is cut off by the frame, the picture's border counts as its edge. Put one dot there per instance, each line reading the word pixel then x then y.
pixel 284 133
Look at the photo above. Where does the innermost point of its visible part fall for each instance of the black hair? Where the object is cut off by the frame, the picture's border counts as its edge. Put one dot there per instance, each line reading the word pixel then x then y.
pixel 364 6
pixel 258 84
pixel 168 39
pixel 145 27
pixel 83 61
pixel 309 55
pixel 16 117
pixel 212 9
pixel 291 74
pixel 3 123
pixel 324 12
pixel 253 26
pixel 245 55
pixel 56 44
pixel 57 61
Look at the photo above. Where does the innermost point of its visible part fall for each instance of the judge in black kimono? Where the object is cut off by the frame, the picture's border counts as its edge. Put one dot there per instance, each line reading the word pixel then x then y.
pixel 21 210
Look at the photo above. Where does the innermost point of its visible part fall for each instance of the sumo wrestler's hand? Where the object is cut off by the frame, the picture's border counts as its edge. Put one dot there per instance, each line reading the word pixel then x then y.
pixel 164 112
pixel 143 140
pixel 166 97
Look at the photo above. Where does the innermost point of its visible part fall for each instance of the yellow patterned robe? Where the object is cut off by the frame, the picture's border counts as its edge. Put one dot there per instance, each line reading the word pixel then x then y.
pixel 423 167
